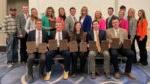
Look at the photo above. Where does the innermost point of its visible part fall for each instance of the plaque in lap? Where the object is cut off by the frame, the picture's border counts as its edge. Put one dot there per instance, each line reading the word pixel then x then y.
pixel 31 47
pixel 92 46
pixel 115 43
pixel 127 43
pixel 63 45
pixel 73 46
pixel 42 48
pixel 83 47
pixel 52 45
pixel 105 45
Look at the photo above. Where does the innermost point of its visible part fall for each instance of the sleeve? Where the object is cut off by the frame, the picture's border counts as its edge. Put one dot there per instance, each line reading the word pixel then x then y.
pixel 144 28
pixel 4 25
pixel 67 24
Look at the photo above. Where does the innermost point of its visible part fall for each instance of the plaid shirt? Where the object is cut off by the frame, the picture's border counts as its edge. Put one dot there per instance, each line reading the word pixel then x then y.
pixel 9 25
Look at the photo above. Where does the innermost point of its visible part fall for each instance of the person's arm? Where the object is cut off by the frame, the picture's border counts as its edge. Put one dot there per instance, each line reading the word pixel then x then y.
pixel 67 24
pixel 143 29
pixel 4 24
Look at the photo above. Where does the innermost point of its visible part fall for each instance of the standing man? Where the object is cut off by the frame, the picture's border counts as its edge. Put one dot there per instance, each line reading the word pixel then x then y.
pixel 70 20
pixel 21 21
pixel 117 32
pixel 109 19
pixel 9 26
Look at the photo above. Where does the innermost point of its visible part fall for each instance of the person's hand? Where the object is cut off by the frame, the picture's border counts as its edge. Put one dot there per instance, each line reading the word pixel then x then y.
pixel 51 19
pixel 141 38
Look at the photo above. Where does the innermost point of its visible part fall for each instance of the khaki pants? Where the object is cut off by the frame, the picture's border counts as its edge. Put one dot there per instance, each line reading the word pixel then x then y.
pixel 91 61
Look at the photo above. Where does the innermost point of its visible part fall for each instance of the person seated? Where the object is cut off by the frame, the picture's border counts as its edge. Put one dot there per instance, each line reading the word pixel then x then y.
pixel 58 35
pixel 78 35
pixel 117 32
pixel 98 36
pixel 39 36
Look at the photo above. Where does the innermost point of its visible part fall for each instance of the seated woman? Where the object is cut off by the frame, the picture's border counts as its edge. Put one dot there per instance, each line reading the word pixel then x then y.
pixel 78 35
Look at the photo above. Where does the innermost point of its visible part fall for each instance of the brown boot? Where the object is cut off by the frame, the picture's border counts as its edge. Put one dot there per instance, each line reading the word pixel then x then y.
pixel 130 76
pixel 47 76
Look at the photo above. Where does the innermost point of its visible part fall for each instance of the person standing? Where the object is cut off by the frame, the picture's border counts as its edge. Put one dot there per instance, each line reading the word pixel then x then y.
pixel 70 20
pixel 62 16
pixel 85 20
pixel 9 26
pixel 109 19
pixel 132 30
pixel 123 22
pixel 30 24
pixel 48 21
pixel 102 23
pixel 141 36
pixel 21 21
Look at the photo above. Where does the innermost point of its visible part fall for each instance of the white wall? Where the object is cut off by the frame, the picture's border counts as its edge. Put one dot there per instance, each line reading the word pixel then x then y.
pixel 92 5
pixel 137 4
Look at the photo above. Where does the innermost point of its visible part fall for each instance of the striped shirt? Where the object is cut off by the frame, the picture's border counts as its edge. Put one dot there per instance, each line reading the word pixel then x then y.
pixel 9 25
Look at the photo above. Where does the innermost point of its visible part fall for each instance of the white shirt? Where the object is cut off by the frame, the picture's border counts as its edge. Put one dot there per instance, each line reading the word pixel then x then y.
pixel 30 25
pixel 95 35
pixel 26 16
pixel 82 20
pixel 38 37
pixel 58 37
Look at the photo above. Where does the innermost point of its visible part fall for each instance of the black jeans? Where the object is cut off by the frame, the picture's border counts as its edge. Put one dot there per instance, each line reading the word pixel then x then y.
pixel 51 54
pixel 30 63
pixel 23 52
pixel 125 52
pixel 82 57
pixel 143 50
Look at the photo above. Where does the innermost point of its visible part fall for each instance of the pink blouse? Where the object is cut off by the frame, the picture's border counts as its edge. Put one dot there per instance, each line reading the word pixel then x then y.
pixel 58 19
pixel 102 24
pixel 123 23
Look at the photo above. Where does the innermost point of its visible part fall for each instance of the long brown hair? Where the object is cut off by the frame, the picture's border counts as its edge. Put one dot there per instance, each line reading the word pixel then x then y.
pixel 53 12
pixel 74 31
pixel 143 14
pixel 62 16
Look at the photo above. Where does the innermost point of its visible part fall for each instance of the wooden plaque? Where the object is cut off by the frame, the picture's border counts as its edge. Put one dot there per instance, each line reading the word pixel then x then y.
pixel 105 45
pixel 115 43
pixel 127 43
pixel 52 45
pixel 63 45
pixel 83 47
pixel 42 48
pixel 31 47
pixel 73 46
pixel 92 46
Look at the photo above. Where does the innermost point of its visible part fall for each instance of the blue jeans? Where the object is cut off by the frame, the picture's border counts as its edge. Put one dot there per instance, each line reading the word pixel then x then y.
pixel 12 48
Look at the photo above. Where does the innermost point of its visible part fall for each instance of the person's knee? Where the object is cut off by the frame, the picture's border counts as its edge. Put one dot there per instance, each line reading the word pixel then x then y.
pixel 106 55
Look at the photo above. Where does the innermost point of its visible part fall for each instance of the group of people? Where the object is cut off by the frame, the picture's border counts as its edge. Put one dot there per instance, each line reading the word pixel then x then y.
pixel 26 28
